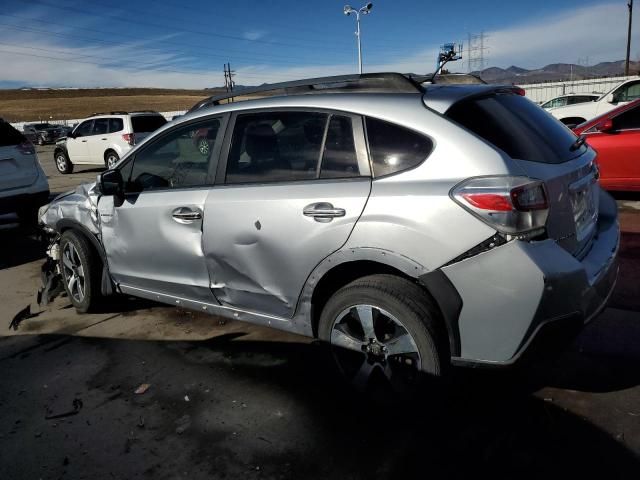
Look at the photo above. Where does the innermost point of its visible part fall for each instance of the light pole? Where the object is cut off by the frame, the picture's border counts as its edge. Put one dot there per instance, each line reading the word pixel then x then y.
pixel 348 10
pixel 626 63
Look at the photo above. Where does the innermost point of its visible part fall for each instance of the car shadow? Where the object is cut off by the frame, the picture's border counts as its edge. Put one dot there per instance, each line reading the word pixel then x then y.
pixel 19 244
pixel 488 424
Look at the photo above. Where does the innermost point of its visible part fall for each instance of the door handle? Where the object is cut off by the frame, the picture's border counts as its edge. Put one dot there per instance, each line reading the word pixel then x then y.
pixel 104 139
pixel 84 141
pixel 323 211
pixel 186 215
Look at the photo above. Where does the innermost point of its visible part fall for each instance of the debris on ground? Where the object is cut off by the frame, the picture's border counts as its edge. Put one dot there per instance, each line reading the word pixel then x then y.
pixel 23 314
pixel 183 423
pixel 142 388
pixel 51 284
pixel 186 398
pixel 77 406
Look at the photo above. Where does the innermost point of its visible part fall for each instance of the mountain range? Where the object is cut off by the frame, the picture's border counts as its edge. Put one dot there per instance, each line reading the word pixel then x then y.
pixel 555 72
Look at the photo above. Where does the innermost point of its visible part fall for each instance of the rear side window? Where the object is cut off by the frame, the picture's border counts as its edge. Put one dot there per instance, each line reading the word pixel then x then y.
pixel 394 148
pixel 115 125
pixel 100 126
pixel 516 126
pixel 147 123
pixel 9 136
pixel 275 147
pixel 339 159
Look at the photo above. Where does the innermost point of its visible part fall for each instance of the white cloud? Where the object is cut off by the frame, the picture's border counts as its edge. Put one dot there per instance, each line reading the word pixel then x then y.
pixel 597 31
pixel 254 34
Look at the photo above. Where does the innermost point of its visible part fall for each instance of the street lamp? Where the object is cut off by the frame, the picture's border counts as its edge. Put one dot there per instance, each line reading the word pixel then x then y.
pixel 348 10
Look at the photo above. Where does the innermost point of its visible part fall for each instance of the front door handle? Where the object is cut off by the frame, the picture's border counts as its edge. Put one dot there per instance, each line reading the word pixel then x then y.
pixel 323 211
pixel 186 214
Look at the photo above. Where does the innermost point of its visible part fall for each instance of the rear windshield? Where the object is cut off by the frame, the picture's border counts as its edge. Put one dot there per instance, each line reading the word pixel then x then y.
pixel 147 123
pixel 517 126
pixel 10 136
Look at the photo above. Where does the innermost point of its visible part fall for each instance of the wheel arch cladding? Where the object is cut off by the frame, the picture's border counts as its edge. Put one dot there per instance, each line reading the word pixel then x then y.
pixel 345 266
pixel 64 225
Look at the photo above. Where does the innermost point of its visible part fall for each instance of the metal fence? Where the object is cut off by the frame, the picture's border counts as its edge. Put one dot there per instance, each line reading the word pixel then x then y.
pixel 20 125
pixel 541 92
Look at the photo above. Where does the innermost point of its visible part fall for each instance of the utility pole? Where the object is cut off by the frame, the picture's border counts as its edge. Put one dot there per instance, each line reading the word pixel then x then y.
pixel 626 63
pixel 228 77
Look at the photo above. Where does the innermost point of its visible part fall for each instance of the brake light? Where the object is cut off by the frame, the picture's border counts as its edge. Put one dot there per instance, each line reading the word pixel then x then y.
pixel 26 148
pixel 519 91
pixel 130 138
pixel 511 205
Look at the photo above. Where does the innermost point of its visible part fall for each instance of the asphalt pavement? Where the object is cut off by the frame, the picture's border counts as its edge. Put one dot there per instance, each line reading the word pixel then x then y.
pixel 222 399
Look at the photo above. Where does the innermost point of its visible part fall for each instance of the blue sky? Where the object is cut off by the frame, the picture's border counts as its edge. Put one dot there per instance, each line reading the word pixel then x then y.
pixel 172 43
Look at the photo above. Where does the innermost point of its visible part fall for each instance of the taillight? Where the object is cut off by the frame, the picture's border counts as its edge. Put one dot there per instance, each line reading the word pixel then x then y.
pixel 130 138
pixel 511 205
pixel 520 91
pixel 26 148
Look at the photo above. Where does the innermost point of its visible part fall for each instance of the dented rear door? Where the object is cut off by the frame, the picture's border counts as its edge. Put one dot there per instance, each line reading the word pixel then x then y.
pixel 288 193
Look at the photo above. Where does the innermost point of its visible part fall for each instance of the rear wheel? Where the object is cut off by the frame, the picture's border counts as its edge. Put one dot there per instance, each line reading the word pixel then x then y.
pixel 384 335
pixel 63 164
pixel 110 159
pixel 203 146
pixel 80 269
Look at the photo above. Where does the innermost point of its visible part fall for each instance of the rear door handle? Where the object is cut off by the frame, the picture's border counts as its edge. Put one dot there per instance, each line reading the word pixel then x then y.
pixel 323 211
pixel 186 214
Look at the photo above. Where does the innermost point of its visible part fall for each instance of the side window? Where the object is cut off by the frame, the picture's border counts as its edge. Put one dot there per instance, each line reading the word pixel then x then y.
pixel 627 120
pixel 394 148
pixel 275 147
pixel 115 125
pixel 100 126
pixel 84 129
pixel 628 93
pixel 339 159
pixel 175 160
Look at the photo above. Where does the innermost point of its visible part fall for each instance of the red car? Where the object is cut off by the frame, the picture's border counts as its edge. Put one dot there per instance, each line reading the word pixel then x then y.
pixel 615 135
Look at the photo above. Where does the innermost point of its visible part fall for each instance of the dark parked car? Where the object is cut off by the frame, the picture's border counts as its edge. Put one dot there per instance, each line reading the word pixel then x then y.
pixel 42 133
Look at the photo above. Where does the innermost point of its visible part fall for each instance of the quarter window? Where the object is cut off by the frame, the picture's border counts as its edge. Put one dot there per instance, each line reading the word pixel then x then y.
pixel 394 148
pixel 628 93
pixel 275 147
pixel 176 160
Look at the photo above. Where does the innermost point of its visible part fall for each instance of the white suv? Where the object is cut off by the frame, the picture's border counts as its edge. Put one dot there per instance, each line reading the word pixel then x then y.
pixel 104 138
pixel 572 115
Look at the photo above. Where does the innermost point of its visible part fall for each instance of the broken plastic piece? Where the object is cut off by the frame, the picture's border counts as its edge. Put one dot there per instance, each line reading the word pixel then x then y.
pixel 142 388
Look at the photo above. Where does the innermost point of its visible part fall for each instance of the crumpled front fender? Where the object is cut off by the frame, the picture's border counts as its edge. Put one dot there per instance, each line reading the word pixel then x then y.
pixel 79 206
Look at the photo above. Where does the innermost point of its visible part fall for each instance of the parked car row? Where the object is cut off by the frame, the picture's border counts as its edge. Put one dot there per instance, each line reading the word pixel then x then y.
pixel 43 133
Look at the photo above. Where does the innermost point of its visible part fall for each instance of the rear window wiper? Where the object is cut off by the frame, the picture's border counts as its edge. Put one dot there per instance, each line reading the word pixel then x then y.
pixel 578 143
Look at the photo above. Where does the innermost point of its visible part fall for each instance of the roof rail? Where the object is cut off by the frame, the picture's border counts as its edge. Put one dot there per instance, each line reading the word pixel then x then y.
pixel 95 114
pixel 358 83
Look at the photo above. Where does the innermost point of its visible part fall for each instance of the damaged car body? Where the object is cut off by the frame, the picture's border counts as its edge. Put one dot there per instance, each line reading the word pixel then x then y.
pixel 407 226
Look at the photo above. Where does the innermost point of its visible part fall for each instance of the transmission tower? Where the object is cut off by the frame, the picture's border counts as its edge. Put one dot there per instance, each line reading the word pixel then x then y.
pixel 477 51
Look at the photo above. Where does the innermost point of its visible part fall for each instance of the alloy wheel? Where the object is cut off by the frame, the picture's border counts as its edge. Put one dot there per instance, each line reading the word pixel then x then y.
pixel 373 348
pixel 73 272
pixel 203 147
pixel 61 163
pixel 111 161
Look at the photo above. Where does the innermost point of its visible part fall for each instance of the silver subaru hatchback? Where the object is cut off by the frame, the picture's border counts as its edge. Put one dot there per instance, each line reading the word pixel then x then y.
pixel 409 226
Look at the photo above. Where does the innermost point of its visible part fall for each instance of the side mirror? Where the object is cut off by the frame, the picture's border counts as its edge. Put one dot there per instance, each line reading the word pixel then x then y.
pixel 605 125
pixel 111 183
pixel 611 98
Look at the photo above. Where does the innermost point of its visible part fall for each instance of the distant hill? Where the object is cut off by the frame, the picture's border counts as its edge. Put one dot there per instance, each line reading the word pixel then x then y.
pixel 555 72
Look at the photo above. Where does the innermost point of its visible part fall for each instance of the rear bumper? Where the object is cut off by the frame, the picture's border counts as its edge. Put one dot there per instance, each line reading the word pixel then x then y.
pixel 23 201
pixel 513 293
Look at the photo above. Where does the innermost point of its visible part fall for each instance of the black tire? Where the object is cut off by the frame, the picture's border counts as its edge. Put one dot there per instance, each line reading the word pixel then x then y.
pixel 110 159
pixel 63 164
pixel 412 308
pixel 91 270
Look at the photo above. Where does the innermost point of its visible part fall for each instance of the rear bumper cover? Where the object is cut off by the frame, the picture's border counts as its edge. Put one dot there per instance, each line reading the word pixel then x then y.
pixel 22 201
pixel 512 293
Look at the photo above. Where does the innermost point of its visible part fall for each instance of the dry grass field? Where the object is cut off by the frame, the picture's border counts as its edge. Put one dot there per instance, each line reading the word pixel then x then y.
pixel 25 105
